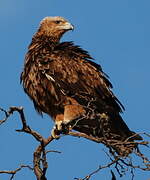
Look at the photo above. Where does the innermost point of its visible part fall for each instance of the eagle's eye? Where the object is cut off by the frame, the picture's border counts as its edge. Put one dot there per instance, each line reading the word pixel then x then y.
pixel 58 22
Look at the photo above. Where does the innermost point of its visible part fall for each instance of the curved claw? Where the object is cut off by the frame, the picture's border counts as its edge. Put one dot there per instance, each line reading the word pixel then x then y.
pixel 55 133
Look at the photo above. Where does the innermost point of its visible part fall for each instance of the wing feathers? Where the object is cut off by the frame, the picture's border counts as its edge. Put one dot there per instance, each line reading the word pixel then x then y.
pixel 73 73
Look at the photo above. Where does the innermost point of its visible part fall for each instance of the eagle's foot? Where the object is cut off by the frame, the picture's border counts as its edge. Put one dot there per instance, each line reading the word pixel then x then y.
pixel 55 133
pixel 60 128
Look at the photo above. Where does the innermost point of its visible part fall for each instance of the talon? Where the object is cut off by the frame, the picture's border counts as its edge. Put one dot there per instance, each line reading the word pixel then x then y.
pixel 60 128
pixel 55 133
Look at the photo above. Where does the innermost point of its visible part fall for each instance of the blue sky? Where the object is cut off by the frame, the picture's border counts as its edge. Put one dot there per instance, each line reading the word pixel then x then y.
pixel 117 35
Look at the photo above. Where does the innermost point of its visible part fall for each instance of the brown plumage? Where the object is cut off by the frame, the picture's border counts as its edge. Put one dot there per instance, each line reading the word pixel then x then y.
pixel 64 82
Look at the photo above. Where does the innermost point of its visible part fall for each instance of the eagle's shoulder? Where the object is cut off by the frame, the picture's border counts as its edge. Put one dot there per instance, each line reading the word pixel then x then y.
pixel 71 50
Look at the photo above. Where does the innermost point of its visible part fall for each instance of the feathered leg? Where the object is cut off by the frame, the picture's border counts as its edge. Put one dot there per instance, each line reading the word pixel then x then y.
pixel 63 121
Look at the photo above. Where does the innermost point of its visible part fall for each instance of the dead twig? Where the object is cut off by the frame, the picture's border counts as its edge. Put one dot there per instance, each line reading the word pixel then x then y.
pixel 13 172
pixel 49 151
pixel 97 170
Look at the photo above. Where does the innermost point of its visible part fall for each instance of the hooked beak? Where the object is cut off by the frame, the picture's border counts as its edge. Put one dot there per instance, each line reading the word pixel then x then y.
pixel 68 26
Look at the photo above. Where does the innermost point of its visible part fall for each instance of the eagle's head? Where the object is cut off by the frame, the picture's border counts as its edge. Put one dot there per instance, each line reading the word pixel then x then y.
pixel 54 26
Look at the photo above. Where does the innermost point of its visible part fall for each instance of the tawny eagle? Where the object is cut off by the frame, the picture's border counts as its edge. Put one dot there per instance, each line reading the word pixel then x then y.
pixel 63 81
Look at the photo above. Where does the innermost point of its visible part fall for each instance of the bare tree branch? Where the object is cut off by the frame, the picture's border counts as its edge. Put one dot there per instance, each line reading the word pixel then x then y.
pixel 122 164
pixel 40 151
pixel 103 140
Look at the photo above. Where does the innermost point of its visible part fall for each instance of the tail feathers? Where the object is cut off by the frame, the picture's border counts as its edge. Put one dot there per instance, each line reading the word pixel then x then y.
pixel 112 129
